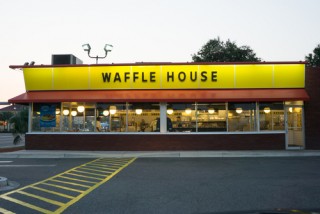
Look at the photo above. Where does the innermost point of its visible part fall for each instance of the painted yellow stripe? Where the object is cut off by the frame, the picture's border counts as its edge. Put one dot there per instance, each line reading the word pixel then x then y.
pixel 53 192
pixel 96 170
pixel 61 209
pixel 63 187
pixel 100 167
pixel 74 184
pixel 73 199
pixel 25 204
pixel 4 211
pixel 41 198
pixel 84 176
pixel 90 173
pixel 74 179
pixel 111 162
pixel 43 181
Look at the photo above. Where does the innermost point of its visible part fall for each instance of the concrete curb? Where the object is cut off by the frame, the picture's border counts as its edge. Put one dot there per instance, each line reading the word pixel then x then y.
pixel 162 154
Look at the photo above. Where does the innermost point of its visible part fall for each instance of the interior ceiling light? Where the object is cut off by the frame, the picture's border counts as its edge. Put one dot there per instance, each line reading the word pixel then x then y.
pixel 169 111
pixel 239 110
pixel 113 109
pixel 138 111
pixel 80 109
pixel 105 112
pixel 211 110
pixel 74 113
pixel 188 110
pixel 267 110
pixel 65 112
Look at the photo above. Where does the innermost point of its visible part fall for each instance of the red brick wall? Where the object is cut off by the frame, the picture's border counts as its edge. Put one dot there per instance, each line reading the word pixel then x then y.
pixel 312 108
pixel 157 142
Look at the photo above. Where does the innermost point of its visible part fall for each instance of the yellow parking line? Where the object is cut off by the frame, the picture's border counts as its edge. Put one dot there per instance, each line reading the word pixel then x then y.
pixel 26 204
pixel 96 170
pixel 74 179
pixel 92 188
pixel 110 162
pixel 4 211
pixel 72 172
pixel 75 184
pixel 63 187
pixel 90 173
pixel 99 167
pixel 41 198
pixel 53 192
pixel 84 176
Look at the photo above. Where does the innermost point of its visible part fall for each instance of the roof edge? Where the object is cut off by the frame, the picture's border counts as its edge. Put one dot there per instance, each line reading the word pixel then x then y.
pixel 159 63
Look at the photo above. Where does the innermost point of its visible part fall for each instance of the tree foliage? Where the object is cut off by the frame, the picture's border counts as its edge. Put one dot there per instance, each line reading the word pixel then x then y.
pixel 216 50
pixel 314 59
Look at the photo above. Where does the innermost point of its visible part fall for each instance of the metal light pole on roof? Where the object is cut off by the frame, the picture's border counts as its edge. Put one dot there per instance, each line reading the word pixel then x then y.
pixel 107 48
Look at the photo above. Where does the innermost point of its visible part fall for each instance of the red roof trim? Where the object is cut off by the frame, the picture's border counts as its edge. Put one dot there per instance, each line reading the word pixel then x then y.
pixel 230 95
pixel 157 63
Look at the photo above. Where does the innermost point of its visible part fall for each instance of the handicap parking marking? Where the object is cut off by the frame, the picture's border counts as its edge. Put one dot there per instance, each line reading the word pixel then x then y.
pixel 57 193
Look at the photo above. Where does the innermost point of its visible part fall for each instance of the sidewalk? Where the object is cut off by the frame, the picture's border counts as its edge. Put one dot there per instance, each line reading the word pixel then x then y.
pixel 156 154
pixel 6 143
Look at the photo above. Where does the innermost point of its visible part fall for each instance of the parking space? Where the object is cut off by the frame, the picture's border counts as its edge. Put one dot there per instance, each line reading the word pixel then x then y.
pixel 57 193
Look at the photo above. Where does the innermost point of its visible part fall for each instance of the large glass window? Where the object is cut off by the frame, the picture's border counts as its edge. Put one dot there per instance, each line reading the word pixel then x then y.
pixel 211 117
pixel 181 117
pixel 242 117
pixel 77 117
pixel 111 117
pixel 271 116
pixel 143 117
pixel 46 117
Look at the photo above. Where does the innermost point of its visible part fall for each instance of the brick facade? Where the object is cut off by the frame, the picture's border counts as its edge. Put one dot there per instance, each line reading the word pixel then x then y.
pixel 312 108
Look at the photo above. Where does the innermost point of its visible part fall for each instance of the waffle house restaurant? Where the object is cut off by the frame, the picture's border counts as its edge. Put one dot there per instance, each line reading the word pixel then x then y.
pixel 167 106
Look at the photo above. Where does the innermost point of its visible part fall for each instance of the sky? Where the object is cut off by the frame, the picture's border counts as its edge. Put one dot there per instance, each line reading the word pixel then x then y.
pixel 149 31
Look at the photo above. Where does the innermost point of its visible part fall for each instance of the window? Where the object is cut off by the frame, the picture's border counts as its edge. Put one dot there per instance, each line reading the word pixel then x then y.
pixel 143 117
pixel 112 117
pixel 182 116
pixel 211 117
pixel 242 117
pixel 271 116
pixel 46 117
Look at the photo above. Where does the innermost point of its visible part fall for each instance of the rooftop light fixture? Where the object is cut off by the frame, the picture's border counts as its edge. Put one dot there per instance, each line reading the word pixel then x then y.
pixel 107 48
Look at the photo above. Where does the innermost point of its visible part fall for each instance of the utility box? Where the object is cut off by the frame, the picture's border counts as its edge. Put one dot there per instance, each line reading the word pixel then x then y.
pixel 65 59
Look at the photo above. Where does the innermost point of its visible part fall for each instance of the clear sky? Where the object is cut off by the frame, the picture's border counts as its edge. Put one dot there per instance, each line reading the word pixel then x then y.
pixel 149 31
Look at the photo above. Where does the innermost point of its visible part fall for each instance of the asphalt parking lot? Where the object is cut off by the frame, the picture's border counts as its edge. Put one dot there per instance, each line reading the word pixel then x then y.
pixel 180 185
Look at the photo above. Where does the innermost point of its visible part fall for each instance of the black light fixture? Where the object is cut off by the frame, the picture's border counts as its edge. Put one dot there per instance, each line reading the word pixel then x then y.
pixel 107 48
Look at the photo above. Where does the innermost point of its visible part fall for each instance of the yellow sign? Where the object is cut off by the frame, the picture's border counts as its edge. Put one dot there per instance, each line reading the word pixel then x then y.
pixel 229 76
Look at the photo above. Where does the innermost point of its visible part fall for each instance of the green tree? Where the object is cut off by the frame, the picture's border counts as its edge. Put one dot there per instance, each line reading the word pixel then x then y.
pixel 314 59
pixel 216 50
pixel 5 116
pixel 20 121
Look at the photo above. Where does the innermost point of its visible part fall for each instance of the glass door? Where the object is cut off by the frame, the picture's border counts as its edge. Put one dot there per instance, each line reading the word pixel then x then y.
pixel 294 127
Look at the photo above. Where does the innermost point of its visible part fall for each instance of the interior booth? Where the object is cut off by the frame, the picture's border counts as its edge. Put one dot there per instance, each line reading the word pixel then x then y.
pixel 165 106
